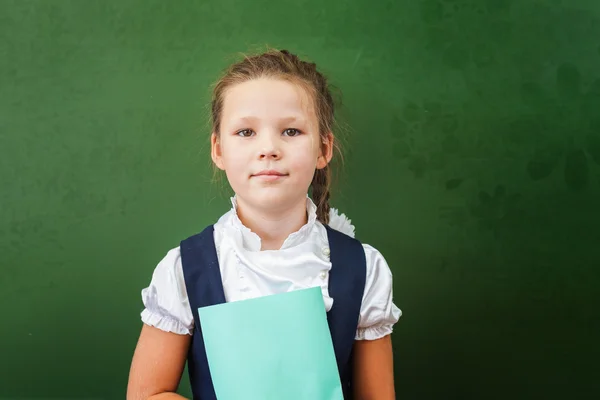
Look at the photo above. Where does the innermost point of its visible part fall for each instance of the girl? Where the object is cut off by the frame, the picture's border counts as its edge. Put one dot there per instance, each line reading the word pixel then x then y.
pixel 272 117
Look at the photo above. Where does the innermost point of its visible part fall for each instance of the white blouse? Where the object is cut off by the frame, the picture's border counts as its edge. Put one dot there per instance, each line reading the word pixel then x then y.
pixel 247 272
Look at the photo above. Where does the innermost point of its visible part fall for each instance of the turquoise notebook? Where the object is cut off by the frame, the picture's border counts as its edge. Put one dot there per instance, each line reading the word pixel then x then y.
pixel 272 347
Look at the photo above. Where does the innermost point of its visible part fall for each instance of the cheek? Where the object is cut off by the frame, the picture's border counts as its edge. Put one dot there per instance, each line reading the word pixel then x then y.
pixel 234 154
pixel 305 161
pixel 236 165
pixel 236 169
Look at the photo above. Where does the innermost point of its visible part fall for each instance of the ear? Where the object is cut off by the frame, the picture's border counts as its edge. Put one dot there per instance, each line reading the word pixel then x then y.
pixel 326 151
pixel 216 151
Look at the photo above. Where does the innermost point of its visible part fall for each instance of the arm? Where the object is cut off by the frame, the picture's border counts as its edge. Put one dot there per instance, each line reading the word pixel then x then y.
pixel 157 365
pixel 373 361
pixel 374 369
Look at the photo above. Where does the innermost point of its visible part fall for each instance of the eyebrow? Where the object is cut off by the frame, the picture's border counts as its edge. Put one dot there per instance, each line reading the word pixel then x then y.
pixel 285 120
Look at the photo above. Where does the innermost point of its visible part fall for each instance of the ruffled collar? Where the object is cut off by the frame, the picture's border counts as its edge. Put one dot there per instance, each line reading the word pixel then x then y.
pixel 252 242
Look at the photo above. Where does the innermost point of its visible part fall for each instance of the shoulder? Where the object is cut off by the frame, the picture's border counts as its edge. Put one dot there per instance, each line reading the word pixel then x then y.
pixel 216 230
pixel 170 262
pixel 213 232
pixel 172 254
pixel 168 273
pixel 375 260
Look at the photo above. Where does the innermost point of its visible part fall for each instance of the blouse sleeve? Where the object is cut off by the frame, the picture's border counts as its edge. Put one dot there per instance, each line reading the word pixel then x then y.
pixel 165 300
pixel 378 313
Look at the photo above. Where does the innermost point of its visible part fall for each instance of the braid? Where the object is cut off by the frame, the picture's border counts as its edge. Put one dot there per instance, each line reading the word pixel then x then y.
pixel 320 193
pixel 322 179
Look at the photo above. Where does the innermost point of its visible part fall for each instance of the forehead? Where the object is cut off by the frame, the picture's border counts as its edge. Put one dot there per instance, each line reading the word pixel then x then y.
pixel 267 98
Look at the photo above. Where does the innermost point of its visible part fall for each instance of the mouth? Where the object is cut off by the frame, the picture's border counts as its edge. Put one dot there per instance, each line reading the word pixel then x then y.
pixel 269 175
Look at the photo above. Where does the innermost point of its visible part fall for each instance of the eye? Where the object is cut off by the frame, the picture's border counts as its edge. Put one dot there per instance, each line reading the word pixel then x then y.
pixel 245 133
pixel 292 132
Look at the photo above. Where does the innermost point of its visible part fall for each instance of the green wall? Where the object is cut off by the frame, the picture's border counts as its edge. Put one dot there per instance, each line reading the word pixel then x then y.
pixel 472 163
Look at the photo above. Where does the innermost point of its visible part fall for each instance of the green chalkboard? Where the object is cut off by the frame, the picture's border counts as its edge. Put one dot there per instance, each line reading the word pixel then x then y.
pixel 472 163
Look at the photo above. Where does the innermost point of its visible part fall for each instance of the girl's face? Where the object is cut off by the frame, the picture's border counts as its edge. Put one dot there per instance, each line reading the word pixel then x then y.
pixel 269 144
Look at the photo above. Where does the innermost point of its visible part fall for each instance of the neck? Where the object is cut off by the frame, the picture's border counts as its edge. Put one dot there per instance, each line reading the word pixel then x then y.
pixel 272 227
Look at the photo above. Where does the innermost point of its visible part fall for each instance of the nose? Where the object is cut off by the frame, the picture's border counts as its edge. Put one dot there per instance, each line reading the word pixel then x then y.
pixel 269 148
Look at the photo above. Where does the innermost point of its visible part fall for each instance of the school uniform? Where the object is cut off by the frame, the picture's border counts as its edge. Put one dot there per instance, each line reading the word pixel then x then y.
pixel 224 264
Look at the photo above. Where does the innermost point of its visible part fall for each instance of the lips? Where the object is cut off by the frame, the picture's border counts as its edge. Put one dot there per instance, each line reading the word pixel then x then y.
pixel 269 176
pixel 270 172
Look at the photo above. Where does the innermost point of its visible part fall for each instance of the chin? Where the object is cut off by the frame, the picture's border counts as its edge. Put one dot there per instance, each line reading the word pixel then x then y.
pixel 274 199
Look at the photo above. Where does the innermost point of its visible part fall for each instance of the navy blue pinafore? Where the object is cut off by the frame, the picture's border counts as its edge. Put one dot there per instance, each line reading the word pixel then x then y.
pixel 204 288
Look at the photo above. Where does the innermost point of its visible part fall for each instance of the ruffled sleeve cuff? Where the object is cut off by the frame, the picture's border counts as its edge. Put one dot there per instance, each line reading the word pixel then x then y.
pixel 374 332
pixel 164 323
